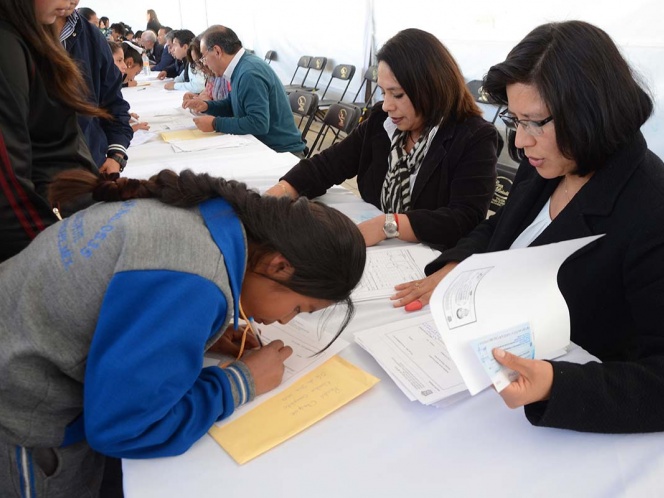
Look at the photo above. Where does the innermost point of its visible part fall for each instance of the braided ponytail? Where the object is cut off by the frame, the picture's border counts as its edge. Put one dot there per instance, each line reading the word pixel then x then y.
pixel 324 247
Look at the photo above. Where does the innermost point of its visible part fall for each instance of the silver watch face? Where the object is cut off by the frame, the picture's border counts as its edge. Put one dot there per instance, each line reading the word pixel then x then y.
pixel 390 228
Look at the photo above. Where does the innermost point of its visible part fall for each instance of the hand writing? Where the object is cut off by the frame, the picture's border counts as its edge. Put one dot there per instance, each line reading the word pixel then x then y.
pixel 267 365
pixel 229 342
pixel 533 384
pixel 419 290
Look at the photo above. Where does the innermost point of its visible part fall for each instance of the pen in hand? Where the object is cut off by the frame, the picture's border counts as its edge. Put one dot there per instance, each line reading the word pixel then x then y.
pixel 255 331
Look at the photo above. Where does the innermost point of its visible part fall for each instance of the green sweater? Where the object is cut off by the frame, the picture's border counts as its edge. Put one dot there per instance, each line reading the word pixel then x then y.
pixel 257 105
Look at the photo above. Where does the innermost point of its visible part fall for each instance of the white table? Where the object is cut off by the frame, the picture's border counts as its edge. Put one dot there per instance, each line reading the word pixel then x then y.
pixel 381 444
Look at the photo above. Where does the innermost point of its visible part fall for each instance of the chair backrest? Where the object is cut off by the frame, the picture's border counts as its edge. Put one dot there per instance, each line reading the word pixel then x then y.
pixel 342 118
pixel 476 90
pixel 303 63
pixel 305 105
pixel 315 64
pixel 270 55
pixel 504 179
pixel 369 79
pixel 341 72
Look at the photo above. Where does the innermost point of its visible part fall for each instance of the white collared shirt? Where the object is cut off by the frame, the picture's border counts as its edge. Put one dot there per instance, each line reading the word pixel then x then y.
pixel 234 62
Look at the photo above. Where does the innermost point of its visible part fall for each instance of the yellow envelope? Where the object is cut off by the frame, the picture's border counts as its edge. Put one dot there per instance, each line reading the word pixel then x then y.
pixel 172 136
pixel 308 400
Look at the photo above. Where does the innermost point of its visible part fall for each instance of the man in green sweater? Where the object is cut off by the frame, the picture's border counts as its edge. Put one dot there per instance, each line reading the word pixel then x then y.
pixel 257 104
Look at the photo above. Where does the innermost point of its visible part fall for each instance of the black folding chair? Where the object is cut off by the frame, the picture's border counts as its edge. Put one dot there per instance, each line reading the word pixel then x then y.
pixel 303 64
pixel 341 72
pixel 305 105
pixel 342 119
pixel 367 89
pixel 270 55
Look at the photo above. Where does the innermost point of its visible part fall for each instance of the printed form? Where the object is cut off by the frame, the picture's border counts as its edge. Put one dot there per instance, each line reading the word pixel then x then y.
pixel 387 267
pixel 415 357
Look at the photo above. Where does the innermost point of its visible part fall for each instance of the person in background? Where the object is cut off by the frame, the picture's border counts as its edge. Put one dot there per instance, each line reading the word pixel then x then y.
pixel 189 79
pixel 257 103
pixel 129 35
pixel 576 108
pixel 107 139
pixel 104 26
pixel 118 32
pixel 89 15
pixel 216 88
pixel 153 21
pixel 153 49
pixel 425 156
pixel 119 60
pixel 133 59
pixel 136 40
pixel 169 66
pixel 41 90
pixel 130 383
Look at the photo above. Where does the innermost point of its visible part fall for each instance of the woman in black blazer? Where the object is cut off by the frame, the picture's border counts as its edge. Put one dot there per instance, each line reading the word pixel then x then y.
pixel 586 169
pixel 424 156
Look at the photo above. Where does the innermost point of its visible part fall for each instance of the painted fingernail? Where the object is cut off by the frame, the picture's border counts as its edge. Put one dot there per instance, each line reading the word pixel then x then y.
pixel 414 306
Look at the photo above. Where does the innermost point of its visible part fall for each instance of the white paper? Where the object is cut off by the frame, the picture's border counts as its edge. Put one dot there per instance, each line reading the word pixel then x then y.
pixel 141 137
pixel 208 143
pixel 491 292
pixel 414 356
pixel 387 267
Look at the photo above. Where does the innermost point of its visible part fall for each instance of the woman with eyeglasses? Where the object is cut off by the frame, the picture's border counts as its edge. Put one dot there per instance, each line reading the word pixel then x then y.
pixel 576 110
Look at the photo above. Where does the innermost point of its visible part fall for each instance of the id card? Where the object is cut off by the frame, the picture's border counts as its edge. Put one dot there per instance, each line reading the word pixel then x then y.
pixel 516 340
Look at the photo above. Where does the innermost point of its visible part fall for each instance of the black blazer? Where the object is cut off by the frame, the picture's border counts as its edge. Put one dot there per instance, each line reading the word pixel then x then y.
pixel 614 289
pixel 453 188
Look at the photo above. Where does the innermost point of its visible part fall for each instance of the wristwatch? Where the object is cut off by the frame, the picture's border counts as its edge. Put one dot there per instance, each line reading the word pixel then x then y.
pixel 119 158
pixel 391 226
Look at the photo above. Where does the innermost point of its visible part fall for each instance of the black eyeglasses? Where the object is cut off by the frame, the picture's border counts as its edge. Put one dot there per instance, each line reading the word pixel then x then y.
pixel 531 127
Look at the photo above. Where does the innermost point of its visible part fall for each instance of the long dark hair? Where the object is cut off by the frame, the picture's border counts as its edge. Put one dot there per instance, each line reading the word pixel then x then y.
pixel 596 101
pixel 324 247
pixel 429 75
pixel 64 80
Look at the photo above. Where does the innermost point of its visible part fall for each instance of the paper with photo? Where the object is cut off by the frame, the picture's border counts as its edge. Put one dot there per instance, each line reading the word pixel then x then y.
pixel 517 340
pixel 311 398
pixel 493 291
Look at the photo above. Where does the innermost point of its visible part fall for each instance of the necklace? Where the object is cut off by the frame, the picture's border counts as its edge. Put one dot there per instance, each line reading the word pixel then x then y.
pixel 565 188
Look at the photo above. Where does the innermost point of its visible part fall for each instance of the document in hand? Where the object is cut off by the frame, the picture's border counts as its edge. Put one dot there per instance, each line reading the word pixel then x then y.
pixel 508 299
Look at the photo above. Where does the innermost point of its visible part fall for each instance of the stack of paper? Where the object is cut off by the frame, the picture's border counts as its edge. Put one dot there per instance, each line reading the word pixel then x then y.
pixel 195 140
pixel 414 356
pixel 508 300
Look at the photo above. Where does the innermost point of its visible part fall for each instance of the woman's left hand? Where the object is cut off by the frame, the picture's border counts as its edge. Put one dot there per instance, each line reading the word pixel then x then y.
pixel 169 86
pixel 372 230
pixel 229 342
pixel 533 384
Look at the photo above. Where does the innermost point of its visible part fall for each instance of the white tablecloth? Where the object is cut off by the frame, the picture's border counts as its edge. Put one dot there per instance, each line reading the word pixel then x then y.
pixel 381 444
